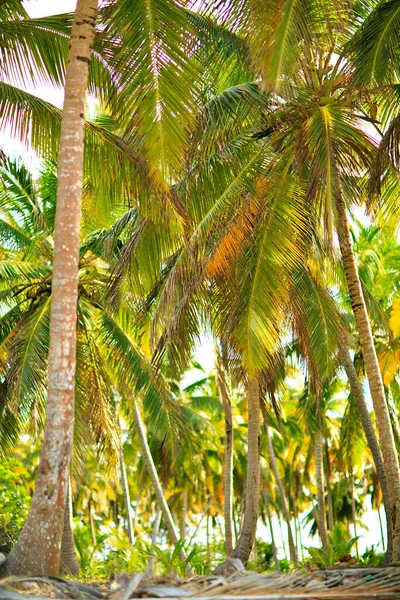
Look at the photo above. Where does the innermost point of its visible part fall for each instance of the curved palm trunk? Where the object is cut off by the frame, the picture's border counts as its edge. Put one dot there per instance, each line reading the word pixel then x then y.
pixel 69 561
pixel 223 388
pixel 285 506
pixel 127 497
pixel 152 471
pixel 38 548
pixel 358 394
pixel 248 530
pixel 386 438
pixel 321 492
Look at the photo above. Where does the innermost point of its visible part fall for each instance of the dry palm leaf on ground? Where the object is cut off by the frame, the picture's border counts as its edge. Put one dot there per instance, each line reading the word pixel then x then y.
pixel 348 583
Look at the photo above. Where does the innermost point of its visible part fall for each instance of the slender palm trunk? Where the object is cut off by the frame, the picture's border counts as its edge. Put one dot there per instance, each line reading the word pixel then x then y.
pixel 127 497
pixel 285 506
pixel 38 548
pixel 69 561
pixel 358 395
pixel 248 531
pixel 386 438
pixel 271 529
pixel 152 471
pixel 224 392
pixel 321 492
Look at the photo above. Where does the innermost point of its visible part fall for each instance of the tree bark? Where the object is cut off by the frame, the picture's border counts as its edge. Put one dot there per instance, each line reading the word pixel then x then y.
pixel 386 438
pixel 152 471
pixel 127 497
pixel 358 395
pixel 69 561
pixel 248 531
pixel 285 506
pixel 329 489
pixel 321 492
pixel 224 392
pixel 37 551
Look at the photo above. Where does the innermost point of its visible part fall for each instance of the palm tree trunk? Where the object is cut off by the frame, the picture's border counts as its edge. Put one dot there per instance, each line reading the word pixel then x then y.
pixel 127 497
pixel 248 531
pixel 358 395
pixel 292 547
pixel 152 471
pixel 271 530
pixel 386 438
pixel 38 549
pixel 321 493
pixel 68 559
pixel 223 388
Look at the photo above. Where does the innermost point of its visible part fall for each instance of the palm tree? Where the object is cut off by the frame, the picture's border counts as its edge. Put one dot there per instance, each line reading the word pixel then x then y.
pixel 38 548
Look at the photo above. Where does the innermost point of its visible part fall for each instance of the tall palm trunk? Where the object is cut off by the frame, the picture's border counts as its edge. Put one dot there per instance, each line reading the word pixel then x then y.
pixel 358 395
pixel 386 438
pixel 152 471
pixel 248 530
pixel 321 492
pixel 285 505
pixel 127 497
pixel 68 559
pixel 154 536
pixel 38 548
pixel 224 392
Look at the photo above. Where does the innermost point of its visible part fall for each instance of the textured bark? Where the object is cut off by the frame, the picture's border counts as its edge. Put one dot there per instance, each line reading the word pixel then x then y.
pixel 358 395
pixel 321 492
pixel 69 561
pixel 285 505
pixel 224 392
pixel 271 529
pixel 37 551
pixel 386 438
pixel 127 497
pixel 152 471
pixel 248 531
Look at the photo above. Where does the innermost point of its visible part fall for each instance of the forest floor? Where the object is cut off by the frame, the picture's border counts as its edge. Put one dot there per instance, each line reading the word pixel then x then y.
pixel 348 583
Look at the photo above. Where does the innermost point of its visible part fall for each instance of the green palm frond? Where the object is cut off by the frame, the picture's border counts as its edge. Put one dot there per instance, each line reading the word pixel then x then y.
pixel 374 48
pixel 317 322
pixel 156 98
pixel 133 374
pixel 26 372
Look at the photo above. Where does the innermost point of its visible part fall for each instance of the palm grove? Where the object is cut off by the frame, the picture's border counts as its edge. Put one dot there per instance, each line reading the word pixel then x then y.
pixel 211 186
